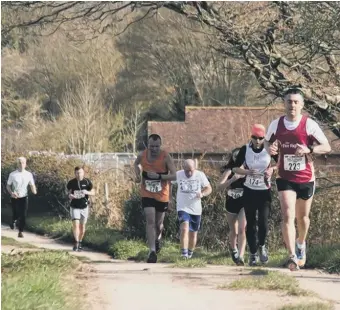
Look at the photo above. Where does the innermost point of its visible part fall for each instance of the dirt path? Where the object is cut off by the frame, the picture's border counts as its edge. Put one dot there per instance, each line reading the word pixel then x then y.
pixel 122 285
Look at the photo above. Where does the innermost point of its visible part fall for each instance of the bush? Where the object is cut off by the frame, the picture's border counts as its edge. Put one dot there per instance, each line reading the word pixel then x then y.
pixel 124 212
pixel 51 174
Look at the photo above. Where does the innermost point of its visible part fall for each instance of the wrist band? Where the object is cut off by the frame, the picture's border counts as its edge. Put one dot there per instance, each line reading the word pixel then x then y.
pixel 311 148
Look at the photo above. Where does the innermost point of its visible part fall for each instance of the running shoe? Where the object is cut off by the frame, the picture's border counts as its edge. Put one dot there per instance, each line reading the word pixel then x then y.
pixel 235 256
pixel 12 225
pixel 252 260
pixel 190 253
pixel 263 253
pixel 76 247
pixel 152 258
pixel 301 254
pixel 20 235
pixel 80 245
pixel 240 261
pixel 293 263
pixel 158 246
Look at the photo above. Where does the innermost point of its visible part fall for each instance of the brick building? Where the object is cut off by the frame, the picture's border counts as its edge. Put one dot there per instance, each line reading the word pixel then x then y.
pixel 210 133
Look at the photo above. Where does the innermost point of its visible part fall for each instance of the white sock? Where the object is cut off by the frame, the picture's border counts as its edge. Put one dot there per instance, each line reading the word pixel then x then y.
pixel 301 246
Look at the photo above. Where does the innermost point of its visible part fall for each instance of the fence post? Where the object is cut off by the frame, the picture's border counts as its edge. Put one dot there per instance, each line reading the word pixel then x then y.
pixel 106 193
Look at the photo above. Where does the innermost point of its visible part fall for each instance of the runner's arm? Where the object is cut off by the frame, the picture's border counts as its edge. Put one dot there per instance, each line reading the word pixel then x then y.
pixel 322 146
pixel 206 190
pixel 172 169
pixel 32 185
pixel 270 143
pixel 69 191
pixel 241 171
pixel 33 189
pixel 137 168
pixel 239 162
pixel 205 186
pixel 224 182
pixel 9 188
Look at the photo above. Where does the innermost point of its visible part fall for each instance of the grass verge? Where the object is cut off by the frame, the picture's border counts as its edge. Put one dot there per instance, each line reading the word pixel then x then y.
pixel 267 280
pixel 37 280
pixel 13 242
pixel 309 306
pixel 113 242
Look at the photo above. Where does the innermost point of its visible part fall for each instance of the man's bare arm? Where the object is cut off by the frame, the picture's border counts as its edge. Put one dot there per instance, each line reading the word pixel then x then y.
pixel 137 168
pixel 33 189
pixel 9 189
pixel 323 148
pixel 206 190
pixel 172 169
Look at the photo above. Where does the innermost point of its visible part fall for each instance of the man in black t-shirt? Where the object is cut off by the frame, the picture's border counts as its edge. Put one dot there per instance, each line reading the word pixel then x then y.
pixel 79 190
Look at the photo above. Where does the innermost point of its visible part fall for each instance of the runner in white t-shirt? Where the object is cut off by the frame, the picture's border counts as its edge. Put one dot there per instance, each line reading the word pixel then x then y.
pixel 192 185
pixel 17 184
pixel 295 137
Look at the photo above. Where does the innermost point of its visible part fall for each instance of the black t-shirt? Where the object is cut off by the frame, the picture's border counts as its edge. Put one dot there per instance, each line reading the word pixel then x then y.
pixel 76 187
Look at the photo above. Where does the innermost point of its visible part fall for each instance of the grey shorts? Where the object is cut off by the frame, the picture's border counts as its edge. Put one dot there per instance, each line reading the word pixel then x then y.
pixel 79 214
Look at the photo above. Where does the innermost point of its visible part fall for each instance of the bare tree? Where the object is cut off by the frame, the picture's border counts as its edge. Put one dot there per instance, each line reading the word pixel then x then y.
pixel 283 43
pixel 89 125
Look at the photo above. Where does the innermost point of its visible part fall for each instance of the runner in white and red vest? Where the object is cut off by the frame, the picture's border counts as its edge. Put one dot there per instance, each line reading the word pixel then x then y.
pixel 295 137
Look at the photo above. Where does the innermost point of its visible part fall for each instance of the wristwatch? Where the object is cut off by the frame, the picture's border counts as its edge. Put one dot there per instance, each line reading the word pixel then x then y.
pixel 311 148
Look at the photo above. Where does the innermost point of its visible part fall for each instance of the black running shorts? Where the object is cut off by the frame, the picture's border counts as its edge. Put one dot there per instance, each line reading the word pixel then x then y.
pixel 153 203
pixel 303 190
pixel 234 206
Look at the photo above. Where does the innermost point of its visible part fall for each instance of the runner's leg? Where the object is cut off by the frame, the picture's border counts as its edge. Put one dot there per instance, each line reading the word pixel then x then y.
pixel 233 228
pixel 264 210
pixel 263 215
pixel 75 229
pixel 192 240
pixel 21 211
pixel 250 211
pixel 184 238
pixel 150 217
pixel 288 201
pixel 82 225
pixel 194 226
pixel 14 212
pixel 242 223
pixel 302 217
pixel 159 224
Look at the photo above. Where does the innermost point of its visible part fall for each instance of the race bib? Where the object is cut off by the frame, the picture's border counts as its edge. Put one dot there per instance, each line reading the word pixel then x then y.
pixel 78 194
pixel 189 186
pixel 235 193
pixel 255 180
pixel 153 186
pixel 294 163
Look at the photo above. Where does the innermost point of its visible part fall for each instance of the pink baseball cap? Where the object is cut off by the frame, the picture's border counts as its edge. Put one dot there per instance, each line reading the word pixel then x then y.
pixel 258 130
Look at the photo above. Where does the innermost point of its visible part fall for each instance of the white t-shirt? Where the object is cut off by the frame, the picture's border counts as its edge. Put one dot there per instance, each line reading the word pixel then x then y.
pixel 19 180
pixel 312 128
pixel 187 190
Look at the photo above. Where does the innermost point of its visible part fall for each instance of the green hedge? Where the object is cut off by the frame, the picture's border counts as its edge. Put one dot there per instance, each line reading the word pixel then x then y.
pixel 51 175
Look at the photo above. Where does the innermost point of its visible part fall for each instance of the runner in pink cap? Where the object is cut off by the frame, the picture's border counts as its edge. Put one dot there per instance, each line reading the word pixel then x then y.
pixel 258 130
pixel 254 162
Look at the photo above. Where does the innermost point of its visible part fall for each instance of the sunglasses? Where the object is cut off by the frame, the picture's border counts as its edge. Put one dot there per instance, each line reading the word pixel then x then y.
pixel 257 138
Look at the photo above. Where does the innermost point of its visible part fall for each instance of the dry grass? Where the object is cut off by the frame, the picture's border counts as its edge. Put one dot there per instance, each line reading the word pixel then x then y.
pixel 266 280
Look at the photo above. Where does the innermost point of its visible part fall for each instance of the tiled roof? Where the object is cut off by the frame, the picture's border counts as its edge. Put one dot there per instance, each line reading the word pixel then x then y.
pixel 217 129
